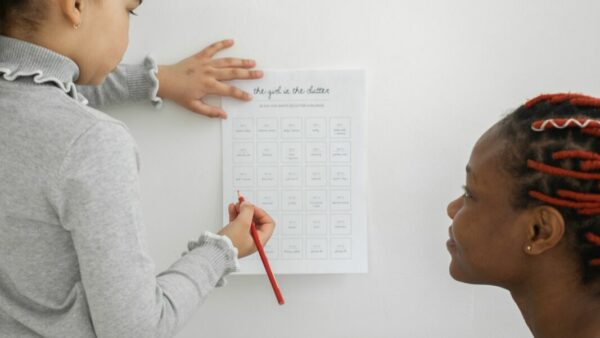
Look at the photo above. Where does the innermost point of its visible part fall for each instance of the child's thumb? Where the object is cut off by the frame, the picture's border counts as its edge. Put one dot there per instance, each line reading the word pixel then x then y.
pixel 246 213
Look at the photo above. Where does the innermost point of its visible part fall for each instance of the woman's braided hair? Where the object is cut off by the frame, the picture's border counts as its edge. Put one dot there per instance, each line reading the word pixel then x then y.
pixel 554 158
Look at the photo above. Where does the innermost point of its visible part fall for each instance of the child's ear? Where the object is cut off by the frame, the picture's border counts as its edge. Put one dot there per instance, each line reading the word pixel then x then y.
pixel 545 231
pixel 71 10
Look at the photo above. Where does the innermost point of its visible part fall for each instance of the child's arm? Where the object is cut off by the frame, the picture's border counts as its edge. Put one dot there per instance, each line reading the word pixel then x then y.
pixel 127 83
pixel 185 82
pixel 96 195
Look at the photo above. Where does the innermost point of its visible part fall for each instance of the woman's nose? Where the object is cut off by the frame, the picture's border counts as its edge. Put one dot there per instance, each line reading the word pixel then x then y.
pixel 453 207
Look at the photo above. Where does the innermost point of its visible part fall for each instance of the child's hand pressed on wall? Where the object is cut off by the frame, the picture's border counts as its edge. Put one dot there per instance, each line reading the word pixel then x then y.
pixel 191 79
pixel 238 230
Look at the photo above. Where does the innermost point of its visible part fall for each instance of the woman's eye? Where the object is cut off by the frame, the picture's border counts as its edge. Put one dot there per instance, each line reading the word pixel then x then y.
pixel 466 192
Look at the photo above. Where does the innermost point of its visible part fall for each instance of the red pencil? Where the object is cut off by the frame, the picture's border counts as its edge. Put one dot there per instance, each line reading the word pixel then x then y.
pixel 263 257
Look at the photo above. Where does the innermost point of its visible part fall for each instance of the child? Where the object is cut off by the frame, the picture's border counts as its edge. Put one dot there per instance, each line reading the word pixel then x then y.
pixel 529 220
pixel 73 256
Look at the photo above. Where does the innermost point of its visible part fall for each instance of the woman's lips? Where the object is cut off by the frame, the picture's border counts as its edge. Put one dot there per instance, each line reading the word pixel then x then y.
pixel 450 244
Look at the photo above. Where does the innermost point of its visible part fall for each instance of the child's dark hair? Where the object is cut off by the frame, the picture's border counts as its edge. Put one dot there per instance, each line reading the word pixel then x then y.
pixel 24 15
pixel 553 155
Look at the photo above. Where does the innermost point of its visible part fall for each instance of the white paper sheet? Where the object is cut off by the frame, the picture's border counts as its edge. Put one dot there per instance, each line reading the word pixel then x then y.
pixel 298 150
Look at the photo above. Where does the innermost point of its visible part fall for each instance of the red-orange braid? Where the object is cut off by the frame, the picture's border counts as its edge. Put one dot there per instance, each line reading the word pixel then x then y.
pixel 575 99
pixel 586 204
pixel 575 114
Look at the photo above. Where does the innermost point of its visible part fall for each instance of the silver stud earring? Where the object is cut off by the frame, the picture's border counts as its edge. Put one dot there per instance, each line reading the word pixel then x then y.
pixel 529 248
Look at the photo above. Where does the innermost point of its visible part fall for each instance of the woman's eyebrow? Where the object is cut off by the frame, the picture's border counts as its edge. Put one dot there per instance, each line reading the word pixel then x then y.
pixel 470 172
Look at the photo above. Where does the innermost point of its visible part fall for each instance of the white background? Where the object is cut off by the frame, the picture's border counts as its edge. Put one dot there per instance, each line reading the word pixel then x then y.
pixel 439 74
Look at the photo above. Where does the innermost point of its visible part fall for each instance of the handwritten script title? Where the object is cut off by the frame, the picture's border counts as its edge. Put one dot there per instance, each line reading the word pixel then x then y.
pixel 278 91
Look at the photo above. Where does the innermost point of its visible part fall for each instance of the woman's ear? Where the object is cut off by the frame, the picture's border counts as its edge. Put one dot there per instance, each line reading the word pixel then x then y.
pixel 545 231
pixel 72 11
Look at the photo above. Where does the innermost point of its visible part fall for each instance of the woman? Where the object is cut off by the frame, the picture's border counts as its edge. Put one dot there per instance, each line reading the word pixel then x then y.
pixel 529 219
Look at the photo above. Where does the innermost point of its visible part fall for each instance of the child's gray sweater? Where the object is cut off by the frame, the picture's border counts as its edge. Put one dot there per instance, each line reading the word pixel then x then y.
pixel 73 259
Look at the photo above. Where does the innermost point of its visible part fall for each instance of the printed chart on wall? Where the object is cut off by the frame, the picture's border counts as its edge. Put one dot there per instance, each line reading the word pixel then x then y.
pixel 298 150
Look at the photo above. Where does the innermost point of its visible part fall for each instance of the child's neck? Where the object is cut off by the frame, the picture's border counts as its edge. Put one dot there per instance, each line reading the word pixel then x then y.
pixel 559 307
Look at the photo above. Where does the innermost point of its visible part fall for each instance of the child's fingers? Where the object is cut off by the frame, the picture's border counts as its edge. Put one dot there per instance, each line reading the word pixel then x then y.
pixel 213 49
pixel 264 233
pixel 231 91
pixel 265 225
pixel 227 74
pixel 232 212
pixel 233 63
pixel 265 230
pixel 200 107
pixel 261 216
pixel 246 213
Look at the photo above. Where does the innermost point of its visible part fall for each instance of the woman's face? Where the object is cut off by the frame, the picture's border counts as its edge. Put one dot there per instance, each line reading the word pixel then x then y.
pixel 487 235
pixel 104 33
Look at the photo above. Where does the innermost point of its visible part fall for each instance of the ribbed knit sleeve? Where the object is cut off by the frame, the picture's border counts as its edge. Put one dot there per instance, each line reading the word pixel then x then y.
pixel 97 198
pixel 127 83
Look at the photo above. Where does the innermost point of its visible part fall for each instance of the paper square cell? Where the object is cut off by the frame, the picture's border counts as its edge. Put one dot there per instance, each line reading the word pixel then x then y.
pixel 316 176
pixel 340 128
pixel 267 177
pixel 267 152
pixel 291 200
pixel 316 248
pixel 291 152
pixel 291 177
pixel 341 224
pixel 272 248
pixel 340 152
pixel 316 200
pixel 243 152
pixel 291 225
pixel 316 225
pixel 266 128
pixel 316 128
pixel 291 128
pixel 243 177
pixel 341 200
pixel 291 248
pixel 316 152
pixel 341 248
pixel 340 177
pixel 268 200
pixel 243 128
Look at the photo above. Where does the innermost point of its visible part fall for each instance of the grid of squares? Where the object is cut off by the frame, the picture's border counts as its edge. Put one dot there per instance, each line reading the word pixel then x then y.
pixel 299 170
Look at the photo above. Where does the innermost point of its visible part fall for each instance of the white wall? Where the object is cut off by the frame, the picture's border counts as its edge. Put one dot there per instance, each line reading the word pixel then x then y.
pixel 440 73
